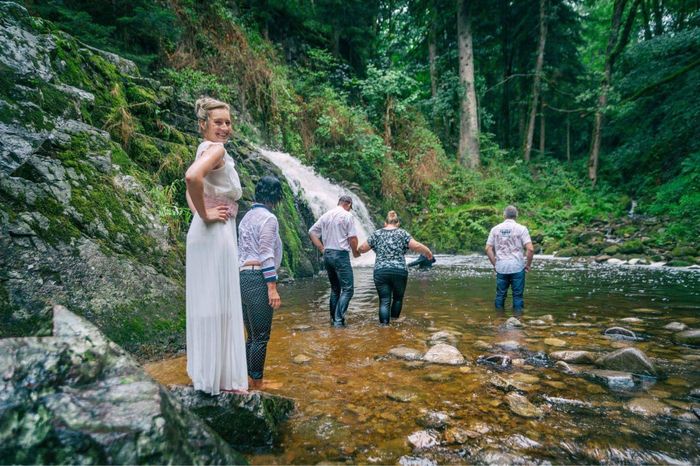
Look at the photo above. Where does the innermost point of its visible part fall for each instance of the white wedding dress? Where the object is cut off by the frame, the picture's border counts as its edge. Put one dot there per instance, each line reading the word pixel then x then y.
pixel 216 358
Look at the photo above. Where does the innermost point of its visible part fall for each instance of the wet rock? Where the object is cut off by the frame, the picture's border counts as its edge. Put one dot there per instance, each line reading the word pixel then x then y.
pixel 301 328
pixel 402 396
pixel 407 460
pixel 423 439
pixel 301 359
pixel 78 398
pixel 574 357
pixel 449 337
pixel 602 258
pixel 508 345
pixel 554 342
pixel 520 442
pixel 629 360
pixel 688 337
pixel 404 352
pixel 501 383
pixel 620 333
pixel 456 436
pixel 245 421
pixel 632 320
pixel 555 384
pixel 539 359
pixel 676 326
pixel 563 366
pixel 433 420
pixel 615 380
pixel 648 407
pixel 615 261
pixel 522 407
pixel 566 403
pixel 695 393
pixel 525 378
pixel 444 354
pixel 482 345
pixel 646 310
pixel 548 318
pixel 437 377
pixel 538 323
pixel 512 323
pixel 496 360
pixel 411 365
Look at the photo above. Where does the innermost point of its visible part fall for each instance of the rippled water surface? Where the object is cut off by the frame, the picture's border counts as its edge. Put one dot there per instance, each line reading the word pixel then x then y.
pixel 345 414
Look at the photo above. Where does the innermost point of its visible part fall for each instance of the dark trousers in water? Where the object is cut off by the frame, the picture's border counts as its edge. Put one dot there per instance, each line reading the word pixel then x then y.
pixel 391 286
pixel 339 270
pixel 257 317
pixel 517 282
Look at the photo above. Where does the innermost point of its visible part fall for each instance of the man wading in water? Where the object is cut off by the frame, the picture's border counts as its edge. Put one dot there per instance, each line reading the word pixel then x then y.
pixel 334 234
pixel 505 250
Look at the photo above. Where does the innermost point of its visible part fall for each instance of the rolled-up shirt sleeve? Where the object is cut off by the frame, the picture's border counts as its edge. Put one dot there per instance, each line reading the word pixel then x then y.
pixel 490 241
pixel 316 229
pixel 525 236
pixel 269 233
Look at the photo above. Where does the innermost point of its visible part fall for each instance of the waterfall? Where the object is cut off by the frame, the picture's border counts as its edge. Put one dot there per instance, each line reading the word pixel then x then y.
pixel 322 195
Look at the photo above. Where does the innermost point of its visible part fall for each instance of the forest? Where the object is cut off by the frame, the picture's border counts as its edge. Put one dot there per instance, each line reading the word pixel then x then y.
pixel 583 113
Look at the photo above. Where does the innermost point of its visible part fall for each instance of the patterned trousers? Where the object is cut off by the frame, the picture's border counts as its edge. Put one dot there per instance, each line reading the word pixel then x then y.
pixel 257 317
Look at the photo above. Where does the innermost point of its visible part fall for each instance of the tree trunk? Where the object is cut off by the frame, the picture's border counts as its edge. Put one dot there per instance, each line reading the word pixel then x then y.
pixel 613 50
pixel 658 18
pixel 469 126
pixel 542 131
pixel 647 20
pixel 527 146
pixel 387 120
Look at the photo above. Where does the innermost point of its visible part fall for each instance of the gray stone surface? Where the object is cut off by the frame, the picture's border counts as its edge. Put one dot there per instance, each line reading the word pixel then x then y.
pixel 444 354
pixel 78 398
pixel 245 421
pixel 574 357
pixel 629 360
pixel 616 380
pixel 522 406
pixel 404 352
pixel 688 337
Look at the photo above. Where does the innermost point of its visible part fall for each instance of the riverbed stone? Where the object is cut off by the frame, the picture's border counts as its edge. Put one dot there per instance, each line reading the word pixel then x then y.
pixel 245 421
pixel 482 345
pixel 412 365
pixel 78 398
pixel 423 439
pixel 648 407
pixel 538 323
pixel 402 396
pixel 675 326
pixel 522 406
pixel 512 323
pixel 574 357
pixel 301 328
pixel 695 393
pixel 301 359
pixel 496 360
pixel 433 420
pixel 688 337
pixel 449 337
pixel 632 320
pixel 442 353
pixel 437 377
pixel 616 380
pixel 508 345
pixel 620 333
pixel 629 360
pixel 456 436
pixel 524 378
pixel 556 342
pixel 404 352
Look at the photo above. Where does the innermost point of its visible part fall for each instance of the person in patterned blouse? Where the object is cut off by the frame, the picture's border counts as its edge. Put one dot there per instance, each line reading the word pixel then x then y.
pixel 390 244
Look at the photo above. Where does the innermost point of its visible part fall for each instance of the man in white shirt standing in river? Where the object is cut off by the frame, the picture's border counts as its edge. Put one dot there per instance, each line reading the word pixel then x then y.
pixel 505 250
pixel 335 235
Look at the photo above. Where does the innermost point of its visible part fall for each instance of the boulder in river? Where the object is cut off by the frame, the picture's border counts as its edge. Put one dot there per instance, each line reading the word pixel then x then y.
pixel 688 337
pixel 444 354
pixel 78 398
pixel 245 421
pixel 423 439
pixel 616 380
pixel 449 337
pixel 574 357
pixel 512 323
pixel 508 345
pixel 554 342
pixel 496 360
pixel 433 420
pixel 629 360
pixel 648 407
pixel 402 396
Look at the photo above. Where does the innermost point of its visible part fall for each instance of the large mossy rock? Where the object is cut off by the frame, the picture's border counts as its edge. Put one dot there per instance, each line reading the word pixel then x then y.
pixel 77 398
pixel 92 161
pixel 245 421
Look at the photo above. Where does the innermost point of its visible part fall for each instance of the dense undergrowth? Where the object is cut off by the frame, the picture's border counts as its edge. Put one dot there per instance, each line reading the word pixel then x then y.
pixel 370 131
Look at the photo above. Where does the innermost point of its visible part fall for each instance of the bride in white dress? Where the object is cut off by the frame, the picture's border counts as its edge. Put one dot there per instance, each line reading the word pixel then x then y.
pixel 216 358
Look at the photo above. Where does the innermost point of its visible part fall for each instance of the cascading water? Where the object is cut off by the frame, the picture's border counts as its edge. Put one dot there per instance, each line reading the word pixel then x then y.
pixel 322 195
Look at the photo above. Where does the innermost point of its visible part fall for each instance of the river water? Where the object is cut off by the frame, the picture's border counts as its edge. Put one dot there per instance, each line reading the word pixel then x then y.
pixel 347 390
pixel 344 412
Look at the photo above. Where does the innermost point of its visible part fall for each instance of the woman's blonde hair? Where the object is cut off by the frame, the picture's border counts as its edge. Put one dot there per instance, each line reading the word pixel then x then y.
pixel 392 218
pixel 204 105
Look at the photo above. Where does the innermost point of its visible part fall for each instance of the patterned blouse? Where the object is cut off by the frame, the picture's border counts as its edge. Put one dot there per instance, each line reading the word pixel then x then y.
pixel 390 245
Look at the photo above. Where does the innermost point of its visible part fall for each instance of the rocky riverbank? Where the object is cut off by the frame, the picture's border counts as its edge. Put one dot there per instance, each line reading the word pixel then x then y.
pixel 92 208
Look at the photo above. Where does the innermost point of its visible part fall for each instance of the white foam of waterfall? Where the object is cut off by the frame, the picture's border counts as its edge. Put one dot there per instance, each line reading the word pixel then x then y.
pixel 322 195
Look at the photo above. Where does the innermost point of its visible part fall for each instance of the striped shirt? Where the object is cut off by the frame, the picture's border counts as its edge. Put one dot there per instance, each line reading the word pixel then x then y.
pixel 259 240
